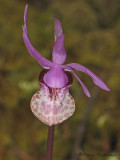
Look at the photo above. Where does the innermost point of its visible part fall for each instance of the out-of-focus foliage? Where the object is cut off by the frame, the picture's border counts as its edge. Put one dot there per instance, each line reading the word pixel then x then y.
pixel 92 30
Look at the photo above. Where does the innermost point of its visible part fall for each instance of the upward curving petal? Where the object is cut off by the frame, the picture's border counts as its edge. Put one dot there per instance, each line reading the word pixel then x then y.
pixel 95 78
pixel 57 28
pixel 59 53
pixel 33 52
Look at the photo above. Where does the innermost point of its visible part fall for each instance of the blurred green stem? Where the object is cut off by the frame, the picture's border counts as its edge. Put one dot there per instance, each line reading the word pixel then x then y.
pixel 50 142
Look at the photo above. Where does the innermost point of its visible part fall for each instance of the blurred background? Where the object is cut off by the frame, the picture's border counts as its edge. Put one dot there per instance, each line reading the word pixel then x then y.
pixel 92 38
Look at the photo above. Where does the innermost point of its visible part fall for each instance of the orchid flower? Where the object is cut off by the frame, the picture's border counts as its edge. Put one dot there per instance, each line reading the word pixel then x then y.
pixel 53 104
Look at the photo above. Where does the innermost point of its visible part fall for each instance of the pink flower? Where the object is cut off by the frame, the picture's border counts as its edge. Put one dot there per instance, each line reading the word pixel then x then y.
pixel 53 104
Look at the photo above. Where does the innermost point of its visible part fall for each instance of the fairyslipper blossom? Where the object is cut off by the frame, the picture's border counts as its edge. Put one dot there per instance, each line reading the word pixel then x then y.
pixel 53 104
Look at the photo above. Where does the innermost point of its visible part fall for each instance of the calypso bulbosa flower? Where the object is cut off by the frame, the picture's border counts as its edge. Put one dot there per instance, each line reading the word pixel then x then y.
pixel 53 104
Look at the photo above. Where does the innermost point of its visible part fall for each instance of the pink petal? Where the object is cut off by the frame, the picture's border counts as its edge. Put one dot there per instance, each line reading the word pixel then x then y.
pixel 87 93
pixel 33 52
pixel 59 53
pixel 95 78
pixel 57 28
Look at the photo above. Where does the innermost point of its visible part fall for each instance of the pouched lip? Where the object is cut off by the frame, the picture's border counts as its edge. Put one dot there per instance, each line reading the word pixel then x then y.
pixel 43 72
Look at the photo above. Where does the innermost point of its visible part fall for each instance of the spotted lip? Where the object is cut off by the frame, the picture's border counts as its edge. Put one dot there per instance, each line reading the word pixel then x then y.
pixel 53 105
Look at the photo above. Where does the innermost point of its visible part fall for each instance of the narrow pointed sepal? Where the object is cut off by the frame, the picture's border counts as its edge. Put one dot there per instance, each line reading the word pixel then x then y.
pixel 25 18
pixel 33 52
pixel 57 28
pixel 97 81
pixel 59 53
pixel 85 90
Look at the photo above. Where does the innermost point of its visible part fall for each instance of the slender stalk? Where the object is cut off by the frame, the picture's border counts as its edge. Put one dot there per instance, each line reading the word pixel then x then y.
pixel 50 142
